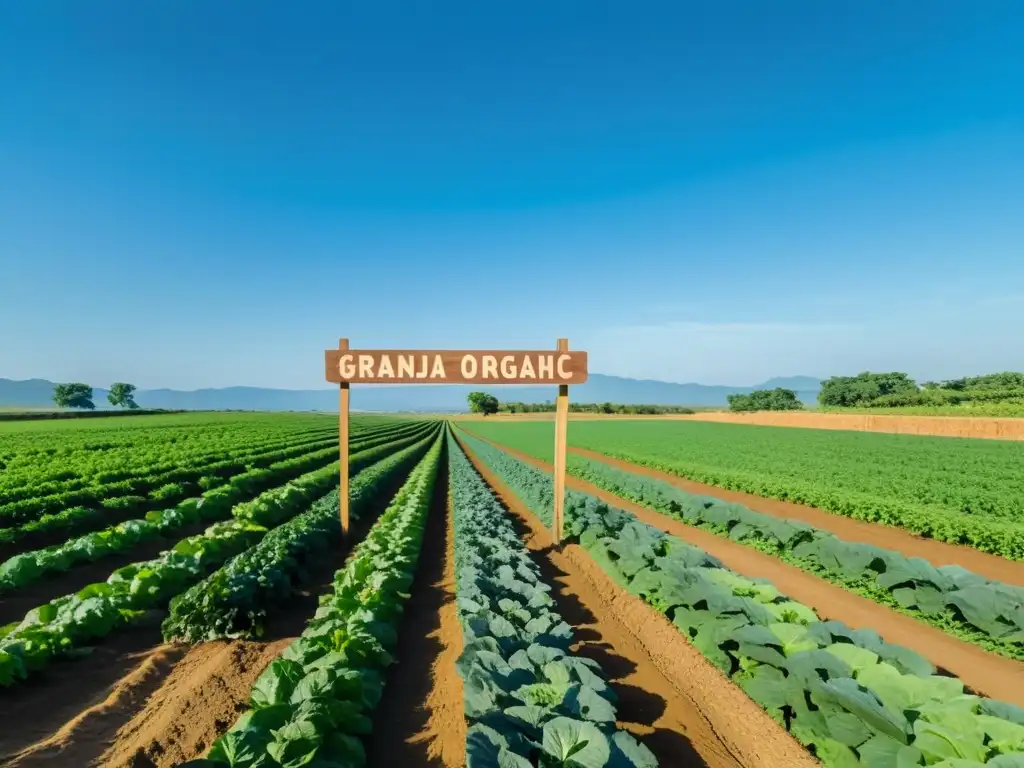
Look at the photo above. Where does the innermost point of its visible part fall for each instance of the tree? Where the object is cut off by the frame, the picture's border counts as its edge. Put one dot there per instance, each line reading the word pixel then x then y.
pixel 860 390
pixel 481 402
pixel 74 395
pixel 777 399
pixel 122 394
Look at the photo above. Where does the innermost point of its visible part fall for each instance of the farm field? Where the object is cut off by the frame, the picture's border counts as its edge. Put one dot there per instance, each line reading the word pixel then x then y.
pixel 993 424
pixel 965 492
pixel 734 615
pixel 235 626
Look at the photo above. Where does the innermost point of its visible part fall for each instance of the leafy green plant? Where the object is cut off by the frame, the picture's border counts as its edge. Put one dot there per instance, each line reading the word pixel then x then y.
pixel 847 694
pixel 29 567
pixel 949 596
pixel 528 700
pixel 66 624
pixel 110 486
pixel 967 492
pixel 310 706
pixel 234 601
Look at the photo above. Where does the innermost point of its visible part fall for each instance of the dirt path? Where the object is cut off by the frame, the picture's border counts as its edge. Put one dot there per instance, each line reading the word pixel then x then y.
pixel 40 718
pixel 888 537
pixel 419 720
pixel 985 673
pixel 672 698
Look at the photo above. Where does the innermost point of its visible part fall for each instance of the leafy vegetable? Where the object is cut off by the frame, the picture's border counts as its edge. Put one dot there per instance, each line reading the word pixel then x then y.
pixel 310 706
pixel 837 690
pixel 528 700
pixel 68 623
pixel 234 601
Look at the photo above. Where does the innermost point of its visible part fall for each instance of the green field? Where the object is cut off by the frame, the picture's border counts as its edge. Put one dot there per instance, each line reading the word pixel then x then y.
pixel 220 535
pixel 954 489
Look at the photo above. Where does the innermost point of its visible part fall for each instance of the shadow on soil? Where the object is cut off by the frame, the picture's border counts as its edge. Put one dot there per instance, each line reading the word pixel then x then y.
pixel 37 710
pixel 401 714
pixel 635 705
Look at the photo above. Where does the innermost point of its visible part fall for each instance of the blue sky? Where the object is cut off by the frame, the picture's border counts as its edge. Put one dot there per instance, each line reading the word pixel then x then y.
pixel 203 194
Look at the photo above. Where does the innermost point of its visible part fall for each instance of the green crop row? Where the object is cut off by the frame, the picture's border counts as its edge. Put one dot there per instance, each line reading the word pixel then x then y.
pixel 310 706
pixel 852 698
pixel 947 596
pixel 176 469
pixel 101 450
pixel 234 600
pixel 29 567
pixel 146 488
pixel 529 701
pixel 65 625
pixel 955 490
pixel 82 519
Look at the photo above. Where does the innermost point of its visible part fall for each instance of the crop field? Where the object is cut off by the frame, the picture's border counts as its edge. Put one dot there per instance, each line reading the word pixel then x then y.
pixel 961 491
pixel 176 591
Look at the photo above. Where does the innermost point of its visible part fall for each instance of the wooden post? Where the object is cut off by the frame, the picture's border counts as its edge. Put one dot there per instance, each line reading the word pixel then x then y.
pixel 561 441
pixel 343 400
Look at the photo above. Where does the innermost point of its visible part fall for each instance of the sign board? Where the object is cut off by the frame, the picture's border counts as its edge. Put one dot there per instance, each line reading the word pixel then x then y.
pixel 344 366
pixel 443 366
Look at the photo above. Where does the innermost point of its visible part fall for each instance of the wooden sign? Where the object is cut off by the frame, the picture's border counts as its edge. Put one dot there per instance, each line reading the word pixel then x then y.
pixel 440 366
pixel 344 366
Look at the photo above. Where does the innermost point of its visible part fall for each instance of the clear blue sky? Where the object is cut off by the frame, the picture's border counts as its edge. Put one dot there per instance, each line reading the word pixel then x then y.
pixel 204 194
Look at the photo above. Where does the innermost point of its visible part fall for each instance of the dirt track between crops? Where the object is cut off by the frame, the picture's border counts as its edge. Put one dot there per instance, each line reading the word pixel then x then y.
pixel 419 720
pixel 670 696
pixel 885 536
pixel 979 427
pixel 987 674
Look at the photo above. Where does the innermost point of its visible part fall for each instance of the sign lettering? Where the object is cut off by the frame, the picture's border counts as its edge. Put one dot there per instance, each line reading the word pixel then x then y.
pixel 389 366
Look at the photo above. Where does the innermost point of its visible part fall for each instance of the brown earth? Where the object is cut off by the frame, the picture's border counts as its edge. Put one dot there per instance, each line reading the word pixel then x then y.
pixel 139 703
pixel 670 696
pixel 888 537
pixel 982 427
pixel 419 720
pixel 984 673
pixel 78 700
pixel 199 700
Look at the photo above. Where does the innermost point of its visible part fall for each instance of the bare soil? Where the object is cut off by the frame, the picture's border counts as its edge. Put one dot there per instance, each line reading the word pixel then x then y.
pixel 139 703
pixel 889 537
pixel 981 427
pixel 419 720
pixel 670 696
pixel 987 674
pixel 78 700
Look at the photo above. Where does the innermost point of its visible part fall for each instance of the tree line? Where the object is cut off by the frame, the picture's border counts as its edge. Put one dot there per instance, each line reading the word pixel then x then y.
pixel 79 395
pixel 895 389
pixel 892 389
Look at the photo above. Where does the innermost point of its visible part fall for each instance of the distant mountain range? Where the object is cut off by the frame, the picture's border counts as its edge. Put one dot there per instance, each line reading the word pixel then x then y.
pixel 38 393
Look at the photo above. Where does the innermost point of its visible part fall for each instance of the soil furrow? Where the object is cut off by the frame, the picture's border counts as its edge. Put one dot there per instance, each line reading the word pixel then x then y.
pixel 935 552
pixel 984 673
pixel 419 720
pixel 138 702
pixel 670 696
